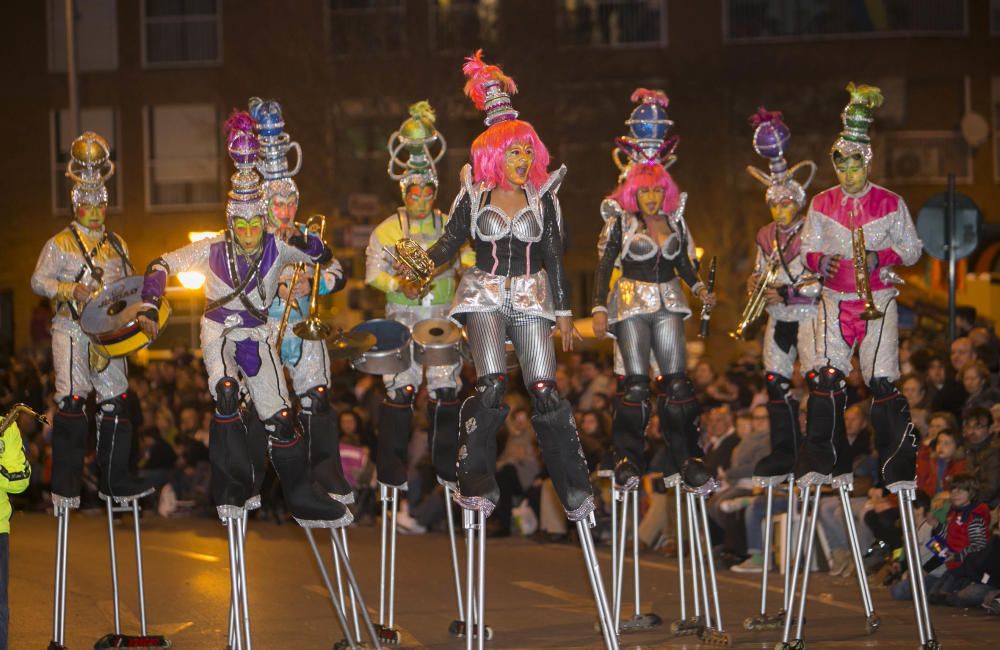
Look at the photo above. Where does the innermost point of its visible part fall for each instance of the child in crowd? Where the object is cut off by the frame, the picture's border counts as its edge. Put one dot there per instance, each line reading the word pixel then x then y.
pixel 935 470
pixel 966 533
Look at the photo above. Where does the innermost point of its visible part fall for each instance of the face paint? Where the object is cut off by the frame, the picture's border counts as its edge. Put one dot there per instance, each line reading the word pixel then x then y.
pixel 518 159
pixel 852 173
pixel 282 209
pixel 248 233
pixel 784 211
pixel 91 216
pixel 419 200
pixel 650 200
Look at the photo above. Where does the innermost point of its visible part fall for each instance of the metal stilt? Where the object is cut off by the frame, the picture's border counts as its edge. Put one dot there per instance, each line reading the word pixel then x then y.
pixel 925 630
pixel 338 603
pixel 764 621
pixel 232 533
pixel 389 496
pixel 114 563
pixel 459 625
pixel 844 487
pixel 340 545
pixel 630 516
pixel 596 582
pixel 61 513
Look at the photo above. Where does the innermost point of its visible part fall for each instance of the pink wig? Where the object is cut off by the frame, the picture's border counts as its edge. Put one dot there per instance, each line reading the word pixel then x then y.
pixel 489 147
pixel 644 176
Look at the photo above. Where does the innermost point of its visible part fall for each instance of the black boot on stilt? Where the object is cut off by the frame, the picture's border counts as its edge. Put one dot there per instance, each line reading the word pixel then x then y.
pixel 319 427
pixel 628 429
pixel 480 417
pixel 561 450
pixel 114 449
pixel 679 425
pixel 444 407
pixel 825 425
pixel 69 447
pixel 895 438
pixel 394 427
pixel 257 447
pixel 783 411
pixel 232 481
pixel 308 503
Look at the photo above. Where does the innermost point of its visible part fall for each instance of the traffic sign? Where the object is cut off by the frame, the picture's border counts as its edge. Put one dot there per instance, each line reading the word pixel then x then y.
pixel 931 226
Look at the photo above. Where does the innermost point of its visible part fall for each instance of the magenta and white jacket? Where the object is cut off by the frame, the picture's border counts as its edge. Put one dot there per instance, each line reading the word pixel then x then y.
pixel 888 229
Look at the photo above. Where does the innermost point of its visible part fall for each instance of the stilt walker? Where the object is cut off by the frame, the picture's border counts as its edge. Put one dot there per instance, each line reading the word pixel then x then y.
pixel 242 268
pixel 788 292
pixel 517 290
pixel 646 236
pixel 855 232
pixel 75 266
pixel 414 150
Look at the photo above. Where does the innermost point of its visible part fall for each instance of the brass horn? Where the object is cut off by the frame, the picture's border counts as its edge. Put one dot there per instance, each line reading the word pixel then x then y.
pixel 863 285
pixel 312 328
pixel 417 266
pixel 16 410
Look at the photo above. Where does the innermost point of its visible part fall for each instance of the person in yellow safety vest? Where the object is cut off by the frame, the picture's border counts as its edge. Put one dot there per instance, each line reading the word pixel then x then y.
pixel 14 475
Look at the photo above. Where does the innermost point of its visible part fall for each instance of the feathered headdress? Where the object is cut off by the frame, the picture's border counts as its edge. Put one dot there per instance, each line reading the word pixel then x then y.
pixel 857 118
pixel 770 140
pixel 245 196
pixel 489 89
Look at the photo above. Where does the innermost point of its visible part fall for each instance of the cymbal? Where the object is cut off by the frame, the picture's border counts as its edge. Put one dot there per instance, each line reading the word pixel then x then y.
pixel 350 345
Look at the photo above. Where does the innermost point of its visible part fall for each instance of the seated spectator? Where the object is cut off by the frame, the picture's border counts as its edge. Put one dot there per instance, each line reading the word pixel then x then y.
pixel 982 453
pixel 976 381
pixel 721 439
pixel 914 390
pixel 966 533
pixel 945 393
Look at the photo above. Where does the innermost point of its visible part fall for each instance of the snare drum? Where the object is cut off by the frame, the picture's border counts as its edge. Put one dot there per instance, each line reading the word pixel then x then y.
pixel 391 353
pixel 111 320
pixel 437 342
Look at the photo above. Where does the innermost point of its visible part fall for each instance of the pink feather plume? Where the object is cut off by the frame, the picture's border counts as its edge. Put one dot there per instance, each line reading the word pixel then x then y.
pixel 763 116
pixel 643 95
pixel 478 73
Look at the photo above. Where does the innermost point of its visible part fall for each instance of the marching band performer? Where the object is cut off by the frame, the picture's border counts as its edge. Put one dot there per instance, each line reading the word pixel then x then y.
pixel 855 232
pixel 507 206
pixel 788 292
pixel 420 221
pixel 74 266
pixel 646 236
pixel 242 268
pixel 307 360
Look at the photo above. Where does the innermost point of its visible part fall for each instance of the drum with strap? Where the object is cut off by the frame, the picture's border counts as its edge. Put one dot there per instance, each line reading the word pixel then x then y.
pixel 437 342
pixel 111 318
pixel 391 353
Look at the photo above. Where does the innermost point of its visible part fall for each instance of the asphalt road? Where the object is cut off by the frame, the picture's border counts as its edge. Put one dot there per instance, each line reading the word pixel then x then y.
pixel 538 595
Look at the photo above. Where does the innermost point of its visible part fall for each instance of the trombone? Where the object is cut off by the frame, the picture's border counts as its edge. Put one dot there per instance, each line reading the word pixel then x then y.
pixel 312 328
pixel 757 302
pixel 15 411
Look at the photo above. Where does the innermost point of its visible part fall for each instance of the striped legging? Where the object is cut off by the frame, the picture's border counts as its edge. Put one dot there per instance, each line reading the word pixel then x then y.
pixel 531 335
pixel 663 331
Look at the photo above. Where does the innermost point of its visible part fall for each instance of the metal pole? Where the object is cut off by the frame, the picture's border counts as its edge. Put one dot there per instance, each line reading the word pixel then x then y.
pixel 138 566
pixel 767 550
pixel 114 565
pixel 71 79
pixel 454 556
pixel 949 243
pixel 680 548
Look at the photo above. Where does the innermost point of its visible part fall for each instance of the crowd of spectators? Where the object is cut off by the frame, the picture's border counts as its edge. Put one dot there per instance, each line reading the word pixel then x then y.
pixel 954 401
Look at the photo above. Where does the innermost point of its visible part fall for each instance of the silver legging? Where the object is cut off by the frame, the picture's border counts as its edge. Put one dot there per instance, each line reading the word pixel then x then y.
pixel 531 335
pixel 663 331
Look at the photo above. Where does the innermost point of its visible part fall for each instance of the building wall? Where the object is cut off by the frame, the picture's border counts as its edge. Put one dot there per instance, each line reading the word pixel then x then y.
pixel 342 105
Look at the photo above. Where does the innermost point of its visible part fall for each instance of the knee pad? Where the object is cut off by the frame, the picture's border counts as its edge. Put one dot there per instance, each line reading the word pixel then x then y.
pixel 113 407
pixel 401 396
pixel 777 386
pixel 316 401
pixel 72 404
pixel 491 389
pixel 635 389
pixel 281 425
pixel 445 394
pixel 227 396
pixel 882 389
pixel 544 396
pixel 678 387
pixel 826 380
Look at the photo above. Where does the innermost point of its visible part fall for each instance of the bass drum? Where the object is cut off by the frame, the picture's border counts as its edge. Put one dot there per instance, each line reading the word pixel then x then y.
pixel 391 353
pixel 111 320
pixel 437 342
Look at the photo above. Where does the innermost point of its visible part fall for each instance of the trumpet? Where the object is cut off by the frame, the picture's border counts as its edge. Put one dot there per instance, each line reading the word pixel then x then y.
pixel 757 302
pixel 312 328
pixel 417 266
pixel 863 285
pixel 16 410
pixel 290 303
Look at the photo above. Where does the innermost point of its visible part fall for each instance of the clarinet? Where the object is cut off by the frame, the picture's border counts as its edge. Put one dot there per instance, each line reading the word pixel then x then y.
pixel 706 310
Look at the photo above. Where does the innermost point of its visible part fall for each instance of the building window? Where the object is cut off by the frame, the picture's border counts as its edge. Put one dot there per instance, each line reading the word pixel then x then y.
pixel 371 28
pixel 464 25
pixel 923 157
pixel 181 32
pixel 182 156
pixel 96 35
pixel 755 20
pixel 103 121
pixel 612 23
